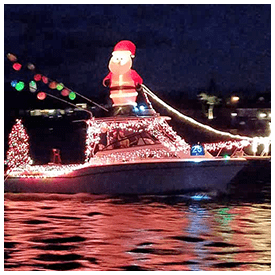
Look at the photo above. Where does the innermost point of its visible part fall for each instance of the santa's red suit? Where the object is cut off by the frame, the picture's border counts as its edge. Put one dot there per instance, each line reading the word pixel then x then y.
pixel 122 80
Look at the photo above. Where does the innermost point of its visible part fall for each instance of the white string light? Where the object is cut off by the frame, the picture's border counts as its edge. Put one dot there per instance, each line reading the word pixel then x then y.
pixel 191 120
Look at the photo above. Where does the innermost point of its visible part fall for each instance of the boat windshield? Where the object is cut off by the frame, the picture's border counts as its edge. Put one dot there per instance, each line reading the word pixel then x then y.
pixel 123 139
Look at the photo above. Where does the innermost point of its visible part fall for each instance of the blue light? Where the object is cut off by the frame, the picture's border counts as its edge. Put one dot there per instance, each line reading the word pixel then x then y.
pixel 136 109
pixel 199 197
pixel 13 83
pixel 142 108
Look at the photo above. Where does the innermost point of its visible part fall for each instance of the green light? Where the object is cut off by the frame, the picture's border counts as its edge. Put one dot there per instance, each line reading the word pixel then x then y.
pixel 19 86
pixel 226 157
pixel 32 86
pixel 59 86
pixel 72 95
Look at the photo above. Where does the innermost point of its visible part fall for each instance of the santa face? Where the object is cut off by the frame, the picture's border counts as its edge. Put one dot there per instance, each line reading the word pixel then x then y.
pixel 120 62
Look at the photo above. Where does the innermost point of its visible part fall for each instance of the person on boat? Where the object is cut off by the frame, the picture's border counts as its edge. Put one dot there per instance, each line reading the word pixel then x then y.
pixel 122 80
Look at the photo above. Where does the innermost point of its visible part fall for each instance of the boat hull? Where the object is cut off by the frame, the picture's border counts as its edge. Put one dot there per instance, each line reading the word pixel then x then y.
pixel 135 178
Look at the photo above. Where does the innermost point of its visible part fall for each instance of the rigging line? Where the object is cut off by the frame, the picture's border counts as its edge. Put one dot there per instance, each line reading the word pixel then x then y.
pixel 91 101
pixel 189 119
pixel 82 96
pixel 78 107
pixel 98 105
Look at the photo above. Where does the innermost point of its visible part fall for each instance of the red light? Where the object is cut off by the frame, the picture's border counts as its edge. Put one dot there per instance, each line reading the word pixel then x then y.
pixel 52 85
pixel 65 92
pixel 37 77
pixel 45 79
pixel 17 66
pixel 41 95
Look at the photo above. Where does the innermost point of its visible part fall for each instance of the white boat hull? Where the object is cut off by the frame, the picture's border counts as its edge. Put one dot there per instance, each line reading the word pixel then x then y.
pixel 136 178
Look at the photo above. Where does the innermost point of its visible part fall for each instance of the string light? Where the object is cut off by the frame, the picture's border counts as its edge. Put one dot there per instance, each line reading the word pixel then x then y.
pixel 13 83
pixel 59 86
pixel 11 57
pixel 19 86
pixel 72 95
pixel 17 66
pixel 37 77
pixel 255 141
pixel 41 95
pixel 65 92
pixel 44 171
pixel 191 120
pixel 45 79
pixel 30 66
pixel 228 145
pixel 155 126
pixel 52 85
pixel 32 86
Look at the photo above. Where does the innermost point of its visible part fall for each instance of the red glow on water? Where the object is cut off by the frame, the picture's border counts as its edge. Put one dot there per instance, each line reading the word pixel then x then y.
pixel 88 233
pixel 17 66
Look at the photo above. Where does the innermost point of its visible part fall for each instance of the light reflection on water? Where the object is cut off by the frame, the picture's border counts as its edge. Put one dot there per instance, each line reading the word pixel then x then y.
pixel 86 232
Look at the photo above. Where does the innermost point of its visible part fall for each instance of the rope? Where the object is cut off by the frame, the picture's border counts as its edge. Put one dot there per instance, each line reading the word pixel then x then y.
pixel 191 120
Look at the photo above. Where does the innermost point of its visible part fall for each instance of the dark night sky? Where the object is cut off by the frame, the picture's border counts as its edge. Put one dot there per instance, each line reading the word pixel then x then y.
pixel 179 47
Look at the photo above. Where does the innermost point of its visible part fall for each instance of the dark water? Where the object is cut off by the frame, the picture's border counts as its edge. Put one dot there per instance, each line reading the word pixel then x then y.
pixel 87 232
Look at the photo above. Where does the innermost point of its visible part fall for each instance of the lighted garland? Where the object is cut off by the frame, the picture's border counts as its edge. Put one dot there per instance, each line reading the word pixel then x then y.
pixel 228 145
pixel 44 171
pixel 191 120
pixel 155 126
pixel 132 156
pixel 18 154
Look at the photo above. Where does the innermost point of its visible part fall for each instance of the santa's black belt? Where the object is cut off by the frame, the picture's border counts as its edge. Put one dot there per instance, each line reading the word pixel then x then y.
pixel 122 88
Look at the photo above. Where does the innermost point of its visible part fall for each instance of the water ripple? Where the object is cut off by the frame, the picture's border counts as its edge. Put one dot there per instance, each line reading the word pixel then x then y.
pixel 89 233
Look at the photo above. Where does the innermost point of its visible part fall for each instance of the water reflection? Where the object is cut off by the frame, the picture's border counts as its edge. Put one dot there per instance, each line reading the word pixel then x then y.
pixel 85 232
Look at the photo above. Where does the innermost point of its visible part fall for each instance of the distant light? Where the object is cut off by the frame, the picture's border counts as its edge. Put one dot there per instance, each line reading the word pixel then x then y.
pixel 13 83
pixel 235 98
pixel 142 108
pixel 199 197
pixel 72 95
pixel 242 123
pixel 269 114
pixel 37 77
pixel 41 95
pixel 136 109
pixel 226 157
pixel 234 114
pixel 19 86
pixel 262 115
pixel 17 66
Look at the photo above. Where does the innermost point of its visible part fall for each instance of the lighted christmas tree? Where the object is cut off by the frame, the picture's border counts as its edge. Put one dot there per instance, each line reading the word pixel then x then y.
pixel 18 154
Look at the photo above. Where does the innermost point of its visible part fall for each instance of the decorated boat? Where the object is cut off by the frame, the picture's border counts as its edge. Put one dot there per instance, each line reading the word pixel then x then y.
pixel 133 151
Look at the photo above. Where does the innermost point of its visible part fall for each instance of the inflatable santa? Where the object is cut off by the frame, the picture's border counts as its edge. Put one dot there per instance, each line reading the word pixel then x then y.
pixel 122 80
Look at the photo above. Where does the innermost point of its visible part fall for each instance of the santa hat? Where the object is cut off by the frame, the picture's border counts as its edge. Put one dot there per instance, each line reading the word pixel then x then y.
pixel 125 45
